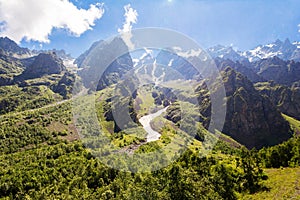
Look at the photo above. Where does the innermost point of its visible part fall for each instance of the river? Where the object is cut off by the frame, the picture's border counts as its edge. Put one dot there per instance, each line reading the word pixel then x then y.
pixel 145 121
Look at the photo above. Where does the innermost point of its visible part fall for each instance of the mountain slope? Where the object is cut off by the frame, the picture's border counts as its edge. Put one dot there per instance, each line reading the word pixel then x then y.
pixel 81 58
pixel 251 119
pixel 242 67
pixel 43 64
pixel 11 48
pixel 104 63
pixel 286 99
pixel 278 70
pixel 270 69
pixel 9 67
pixel 30 81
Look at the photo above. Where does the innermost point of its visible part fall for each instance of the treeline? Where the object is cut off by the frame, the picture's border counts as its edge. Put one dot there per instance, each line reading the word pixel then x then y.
pixel 286 154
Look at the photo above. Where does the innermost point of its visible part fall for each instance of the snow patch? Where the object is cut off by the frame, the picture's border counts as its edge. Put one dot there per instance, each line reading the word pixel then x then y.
pixel 170 63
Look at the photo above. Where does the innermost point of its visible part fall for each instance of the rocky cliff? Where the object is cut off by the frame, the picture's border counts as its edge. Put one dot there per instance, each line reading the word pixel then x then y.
pixel 286 99
pixel 44 64
pixel 251 118
pixel 105 63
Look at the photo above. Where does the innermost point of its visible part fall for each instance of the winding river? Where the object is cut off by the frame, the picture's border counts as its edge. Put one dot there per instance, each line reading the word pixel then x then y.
pixel 145 121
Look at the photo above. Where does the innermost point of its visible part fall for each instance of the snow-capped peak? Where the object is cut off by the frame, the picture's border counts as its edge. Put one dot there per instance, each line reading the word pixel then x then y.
pixel 262 52
pixel 297 44
pixel 225 52
pixel 284 50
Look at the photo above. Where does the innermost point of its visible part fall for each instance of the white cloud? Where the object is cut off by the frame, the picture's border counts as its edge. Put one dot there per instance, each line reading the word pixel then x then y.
pixel 35 19
pixel 130 18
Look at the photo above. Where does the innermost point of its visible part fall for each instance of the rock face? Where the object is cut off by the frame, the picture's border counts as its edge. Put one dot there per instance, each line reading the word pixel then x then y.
pixel 10 47
pixel 8 64
pixel 65 86
pixel 179 65
pixel 280 71
pixel 251 118
pixel 105 63
pixel 9 67
pixel 126 116
pixel 44 64
pixel 174 113
pixel 287 99
pixel 269 69
pixel 243 67
pixel 80 60
pixel 59 53
pixel 115 71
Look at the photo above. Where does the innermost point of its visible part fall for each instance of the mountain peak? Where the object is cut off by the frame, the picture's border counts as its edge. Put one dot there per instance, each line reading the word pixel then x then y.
pixel 283 50
pixel 225 52
pixel 287 41
pixel 278 42
pixel 44 64
pixel 11 47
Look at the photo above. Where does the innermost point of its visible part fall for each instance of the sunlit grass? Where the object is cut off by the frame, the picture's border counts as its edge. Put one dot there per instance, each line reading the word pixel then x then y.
pixel 282 184
pixel 295 124
pixel 144 100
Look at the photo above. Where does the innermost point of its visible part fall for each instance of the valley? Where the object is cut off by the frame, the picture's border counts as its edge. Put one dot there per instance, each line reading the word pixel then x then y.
pixel 141 130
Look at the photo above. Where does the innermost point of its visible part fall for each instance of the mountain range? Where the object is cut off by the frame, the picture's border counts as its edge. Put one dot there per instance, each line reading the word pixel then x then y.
pixel 58 117
pixel 32 79
pixel 253 112
pixel 285 50
pixel 260 84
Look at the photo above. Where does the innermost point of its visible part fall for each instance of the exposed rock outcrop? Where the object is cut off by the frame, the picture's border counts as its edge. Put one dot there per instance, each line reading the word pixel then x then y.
pixel 251 119
pixel 287 99
pixel 44 64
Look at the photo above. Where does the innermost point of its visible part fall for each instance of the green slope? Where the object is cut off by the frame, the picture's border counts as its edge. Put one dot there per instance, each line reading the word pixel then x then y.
pixel 282 184
pixel 41 159
pixel 295 124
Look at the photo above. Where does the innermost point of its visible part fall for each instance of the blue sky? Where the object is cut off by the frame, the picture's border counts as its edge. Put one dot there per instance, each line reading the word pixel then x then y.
pixel 244 24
